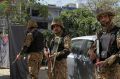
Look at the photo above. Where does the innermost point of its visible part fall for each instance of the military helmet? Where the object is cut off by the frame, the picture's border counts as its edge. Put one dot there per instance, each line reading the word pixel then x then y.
pixel 57 21
pixel 105 10
pixel 32 23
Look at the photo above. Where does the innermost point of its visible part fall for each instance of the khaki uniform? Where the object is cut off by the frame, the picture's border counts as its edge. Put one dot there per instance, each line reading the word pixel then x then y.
pixel 60 65
pixel 111 71
pixel 57 65
pixel 34 58
pixel 34 64
pixel 33 46
pixel 60 71
pixel 109 45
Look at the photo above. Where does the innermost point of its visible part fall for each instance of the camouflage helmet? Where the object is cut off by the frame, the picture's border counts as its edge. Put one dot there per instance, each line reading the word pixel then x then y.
pixel 32 23
pixel 57 21
pixel 105 10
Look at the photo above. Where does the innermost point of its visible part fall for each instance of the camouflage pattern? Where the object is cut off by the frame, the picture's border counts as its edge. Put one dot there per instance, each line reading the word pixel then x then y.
pixel 32 23
pixel 112 72
pixel 57 21
pixel 60 71
pixel 67 42
pixel 116 72
pixel 33 46
pixel 28 39
pixel 34 64
pixel 105 10
pixel 102 74
pixel 118 39
pixel 34 58
pixel 60 68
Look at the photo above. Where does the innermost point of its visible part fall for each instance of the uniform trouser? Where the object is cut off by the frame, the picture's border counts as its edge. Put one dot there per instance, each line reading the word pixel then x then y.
pixel 34 63
pixel 112 72
pixel 59 71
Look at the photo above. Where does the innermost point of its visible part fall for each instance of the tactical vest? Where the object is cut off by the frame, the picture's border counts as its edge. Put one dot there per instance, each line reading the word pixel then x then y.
pixel 37 44
pixel 60 47
pixel 108 43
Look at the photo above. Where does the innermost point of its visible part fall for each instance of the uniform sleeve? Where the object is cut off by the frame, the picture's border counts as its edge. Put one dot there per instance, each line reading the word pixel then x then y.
pixel 67 47
pixel 27 42
pixel 118 40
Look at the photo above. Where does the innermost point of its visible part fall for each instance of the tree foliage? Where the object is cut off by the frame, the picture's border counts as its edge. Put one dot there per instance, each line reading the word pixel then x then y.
pixel 80 22
pixel 5 7
pixel 19 10
pixel 83 21
pixel 22 10
pixel 114 4
pixel 93 4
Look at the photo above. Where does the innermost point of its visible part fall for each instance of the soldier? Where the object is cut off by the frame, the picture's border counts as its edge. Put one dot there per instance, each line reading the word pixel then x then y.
pixel 33 46
pixel 107 57
pixel 57 65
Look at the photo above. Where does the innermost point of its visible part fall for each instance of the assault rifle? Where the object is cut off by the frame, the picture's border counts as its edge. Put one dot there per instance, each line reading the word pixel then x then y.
pixel 53 55
pixel 17 57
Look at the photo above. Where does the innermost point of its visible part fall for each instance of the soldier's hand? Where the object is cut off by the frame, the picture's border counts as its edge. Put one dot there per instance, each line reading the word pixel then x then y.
pixel 101 64
pixel 18 57
pixel 46 53
pixel 51 56
pixel 54 54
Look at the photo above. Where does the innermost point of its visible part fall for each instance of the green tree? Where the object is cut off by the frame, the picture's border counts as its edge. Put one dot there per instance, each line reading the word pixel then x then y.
pixel 22 10
pixel 80 22
pixel 18 12
pixel 83 21
pixel 94 4
pixel 5 7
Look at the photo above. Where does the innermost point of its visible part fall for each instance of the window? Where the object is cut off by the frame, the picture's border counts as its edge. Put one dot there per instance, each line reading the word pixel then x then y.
pixel 76 45
pixel 81 46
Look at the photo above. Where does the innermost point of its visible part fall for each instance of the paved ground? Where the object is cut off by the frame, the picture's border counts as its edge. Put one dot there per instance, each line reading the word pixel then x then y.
pixel 5 73
pixel 43 74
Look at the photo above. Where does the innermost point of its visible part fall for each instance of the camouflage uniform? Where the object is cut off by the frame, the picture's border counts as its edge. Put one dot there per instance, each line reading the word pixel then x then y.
pixel 109 50
pixel 33 46
pixel 60 65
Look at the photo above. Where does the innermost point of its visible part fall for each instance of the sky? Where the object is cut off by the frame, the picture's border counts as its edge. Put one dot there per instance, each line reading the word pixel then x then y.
pixel 58 2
